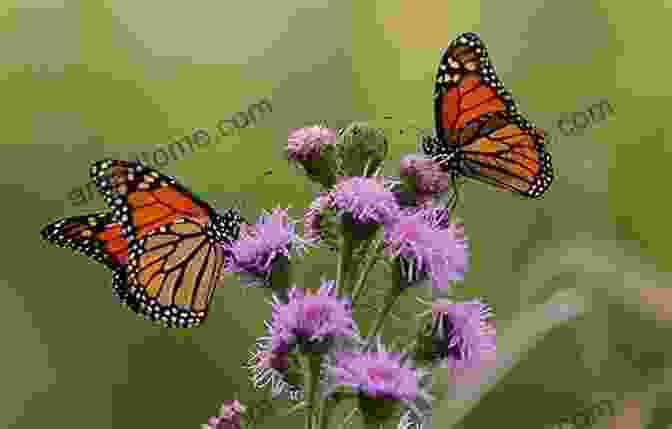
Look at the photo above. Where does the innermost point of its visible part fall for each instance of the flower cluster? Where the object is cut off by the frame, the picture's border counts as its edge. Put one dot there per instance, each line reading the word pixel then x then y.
pixel 313 353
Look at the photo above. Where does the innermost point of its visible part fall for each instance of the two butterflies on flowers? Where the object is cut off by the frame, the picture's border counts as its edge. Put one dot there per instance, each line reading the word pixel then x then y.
pixel 167 248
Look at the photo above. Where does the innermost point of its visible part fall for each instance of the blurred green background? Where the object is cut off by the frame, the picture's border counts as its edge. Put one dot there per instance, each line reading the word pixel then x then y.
pixel 86 80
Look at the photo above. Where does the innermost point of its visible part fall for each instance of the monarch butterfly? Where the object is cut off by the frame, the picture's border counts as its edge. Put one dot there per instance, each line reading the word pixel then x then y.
pixel 479 132
pixel 164 244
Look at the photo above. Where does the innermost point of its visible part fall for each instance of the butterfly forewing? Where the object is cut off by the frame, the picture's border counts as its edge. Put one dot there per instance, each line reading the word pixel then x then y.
pixel 143 199
pixel 96 235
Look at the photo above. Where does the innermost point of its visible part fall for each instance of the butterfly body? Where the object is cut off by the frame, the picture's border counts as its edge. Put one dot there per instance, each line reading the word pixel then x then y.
pixel 166 246
pixel 479 132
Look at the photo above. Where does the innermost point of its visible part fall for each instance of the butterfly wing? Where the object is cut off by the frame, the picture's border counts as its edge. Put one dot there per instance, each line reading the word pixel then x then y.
pixel 506 153
pixel 478 125
pixel 142 199
pixel 173 273
pixel 467 86
pixel 176 254
pixel 96 235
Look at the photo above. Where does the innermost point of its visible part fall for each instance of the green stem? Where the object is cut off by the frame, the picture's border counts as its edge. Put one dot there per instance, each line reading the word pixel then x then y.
pixel 390 300
pixel 359 288
pixel 326 412
pixel 344 262
pixel 311 372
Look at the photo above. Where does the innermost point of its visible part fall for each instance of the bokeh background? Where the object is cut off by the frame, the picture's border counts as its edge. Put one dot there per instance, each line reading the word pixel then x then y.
pixel 578 279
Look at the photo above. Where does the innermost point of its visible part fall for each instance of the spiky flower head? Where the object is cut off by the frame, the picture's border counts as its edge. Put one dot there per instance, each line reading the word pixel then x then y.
pixel 387 382
pixel 311 320
pixel 366 200
pixel 427 245
pixel 315 149
pixel 461 336
pixel 264 250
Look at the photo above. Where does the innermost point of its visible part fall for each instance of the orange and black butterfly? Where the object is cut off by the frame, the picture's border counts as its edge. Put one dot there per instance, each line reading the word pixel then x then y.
pixel 173 242
pixel 479 132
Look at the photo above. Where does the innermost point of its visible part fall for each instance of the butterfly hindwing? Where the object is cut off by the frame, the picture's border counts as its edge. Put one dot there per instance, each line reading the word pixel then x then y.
pixel 172 277
pixel 507 155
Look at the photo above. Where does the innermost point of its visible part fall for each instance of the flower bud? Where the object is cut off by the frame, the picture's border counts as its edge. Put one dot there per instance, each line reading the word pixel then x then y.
pixel 363 149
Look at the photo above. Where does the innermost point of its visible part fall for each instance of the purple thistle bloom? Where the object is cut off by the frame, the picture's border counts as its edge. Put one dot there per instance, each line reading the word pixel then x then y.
pixel 463 334
pixel 275 369
pixel 378 374
pixel 366 199
pixel 310 319
pixel 272 238
pixel 428 245
pixel 425 174
pixel 305 143
pixel 229 416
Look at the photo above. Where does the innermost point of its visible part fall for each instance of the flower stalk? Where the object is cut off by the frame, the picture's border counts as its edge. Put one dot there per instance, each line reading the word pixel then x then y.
pixel 310 363
pixel 390 299
pixel 360 286
pixel 344 263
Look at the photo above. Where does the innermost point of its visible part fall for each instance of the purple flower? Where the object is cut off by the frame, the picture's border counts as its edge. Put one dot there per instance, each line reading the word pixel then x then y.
pixel 378 374
pixel 425 174
pixel 275 369
pixel 305 143
pixel 366 199
pixel 463 334
pixel 272 239
pixel 310 320
pixel 229 416
pixel 428 245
